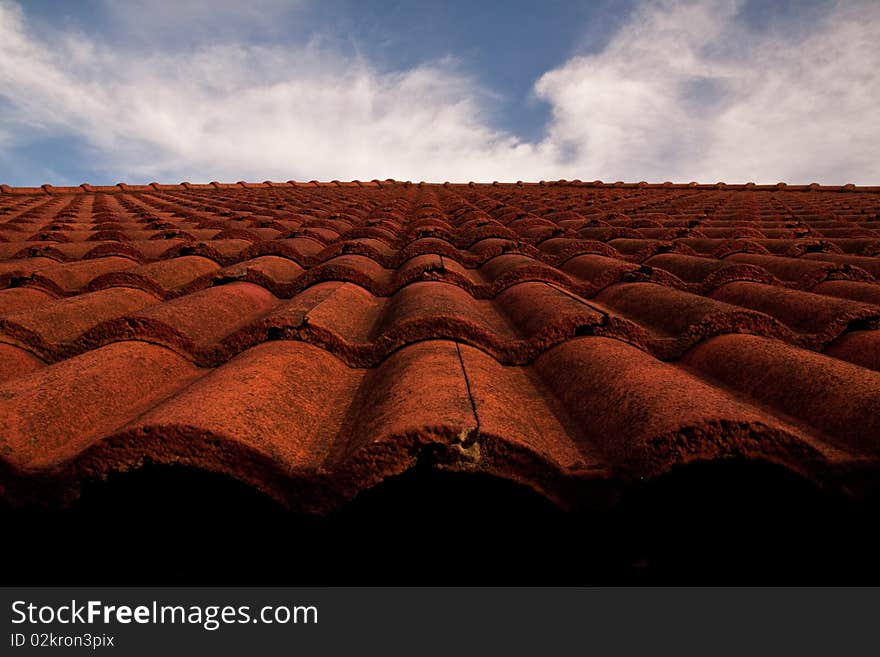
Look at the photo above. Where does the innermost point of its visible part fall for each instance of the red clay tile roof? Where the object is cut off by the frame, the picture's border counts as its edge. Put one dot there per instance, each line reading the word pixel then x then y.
pixel 312 339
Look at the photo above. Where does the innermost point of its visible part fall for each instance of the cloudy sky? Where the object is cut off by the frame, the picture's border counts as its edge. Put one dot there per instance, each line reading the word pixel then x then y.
pixel 104 91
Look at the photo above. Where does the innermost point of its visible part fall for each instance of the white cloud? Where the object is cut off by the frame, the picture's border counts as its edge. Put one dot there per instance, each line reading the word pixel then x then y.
pixel 683 91
pixel 236 111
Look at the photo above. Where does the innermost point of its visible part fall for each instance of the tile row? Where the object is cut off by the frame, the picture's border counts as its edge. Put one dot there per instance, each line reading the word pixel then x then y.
pixel 298 423
pixel 312 340
pixel 515 326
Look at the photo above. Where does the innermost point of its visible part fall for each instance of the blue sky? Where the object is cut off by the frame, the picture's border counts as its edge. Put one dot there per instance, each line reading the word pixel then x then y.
pixel 105 90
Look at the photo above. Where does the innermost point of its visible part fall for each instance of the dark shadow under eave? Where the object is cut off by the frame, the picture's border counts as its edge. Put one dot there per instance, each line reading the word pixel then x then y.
pixel 727 522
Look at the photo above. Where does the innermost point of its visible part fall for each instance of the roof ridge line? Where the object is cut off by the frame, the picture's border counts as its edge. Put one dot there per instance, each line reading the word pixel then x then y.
pixel 52 190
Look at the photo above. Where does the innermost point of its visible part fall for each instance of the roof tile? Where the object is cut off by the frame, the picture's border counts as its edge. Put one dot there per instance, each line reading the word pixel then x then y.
pixel 312 339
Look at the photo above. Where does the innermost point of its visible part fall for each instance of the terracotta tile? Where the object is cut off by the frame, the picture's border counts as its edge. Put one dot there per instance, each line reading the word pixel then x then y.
pixel 859 347
pixel 545 312
pixel 598 270
pixel 504 270
pixel 51 415
pixel 285 400
pixel 514 407
pixel 24 267
pixel 50 327
pixel 644 415
pixel 361 270
pixel 163 277
pixel 802 311
pixel 193 322
pixel 792 380
pixel 797 270
pixel 74 276
pixel 870 265
pixel 440 307
pixel 23 298
pixel 16 362
pixel 674 313
pixel 396 403
pixel 695 269
pixel 312 339
pixel 345 313
pixel 864 292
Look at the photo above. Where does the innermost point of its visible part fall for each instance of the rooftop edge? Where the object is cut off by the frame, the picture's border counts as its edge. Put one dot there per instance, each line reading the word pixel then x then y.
pixel 85 188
